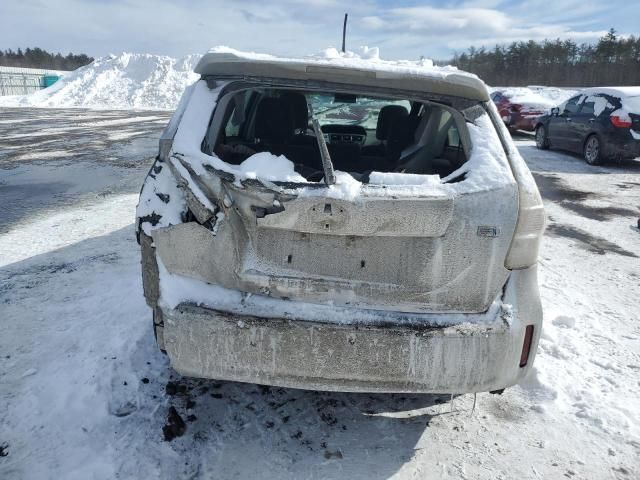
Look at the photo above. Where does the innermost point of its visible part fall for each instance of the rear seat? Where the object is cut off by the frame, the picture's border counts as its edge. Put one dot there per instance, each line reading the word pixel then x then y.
pixel 281 129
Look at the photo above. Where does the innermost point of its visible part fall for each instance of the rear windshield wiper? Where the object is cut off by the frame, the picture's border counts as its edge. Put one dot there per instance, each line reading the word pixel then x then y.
pixel 327 166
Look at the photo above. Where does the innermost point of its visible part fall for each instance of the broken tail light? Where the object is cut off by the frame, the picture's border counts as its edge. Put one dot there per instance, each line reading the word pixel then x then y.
pixel 526 346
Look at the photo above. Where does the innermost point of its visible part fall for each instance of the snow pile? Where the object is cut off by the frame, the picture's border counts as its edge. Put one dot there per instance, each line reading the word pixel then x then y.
pixel 125 81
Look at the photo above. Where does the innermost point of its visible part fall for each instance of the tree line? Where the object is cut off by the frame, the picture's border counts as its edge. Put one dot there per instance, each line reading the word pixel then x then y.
pixel 39 58
pixel 613 60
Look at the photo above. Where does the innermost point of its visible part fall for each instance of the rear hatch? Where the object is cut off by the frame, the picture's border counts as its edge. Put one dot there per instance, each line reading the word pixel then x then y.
pixel 439 247
pixel 441 252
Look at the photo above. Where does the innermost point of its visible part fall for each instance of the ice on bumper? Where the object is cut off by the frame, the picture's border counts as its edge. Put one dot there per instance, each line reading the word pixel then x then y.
pixel 213 332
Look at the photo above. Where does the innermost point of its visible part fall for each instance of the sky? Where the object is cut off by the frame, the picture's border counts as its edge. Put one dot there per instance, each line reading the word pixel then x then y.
pixel 402 29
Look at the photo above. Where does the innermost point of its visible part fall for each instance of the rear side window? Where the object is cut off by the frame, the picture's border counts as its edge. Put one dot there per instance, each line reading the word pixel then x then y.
pixel 588 106
pixel 239 114
pixel 571 106
pixel 598 104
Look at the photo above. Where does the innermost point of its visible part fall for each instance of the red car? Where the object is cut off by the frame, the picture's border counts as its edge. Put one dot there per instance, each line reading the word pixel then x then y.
pixel 519 108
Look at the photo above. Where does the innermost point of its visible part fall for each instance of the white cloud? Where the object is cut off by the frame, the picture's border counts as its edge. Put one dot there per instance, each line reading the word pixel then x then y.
pixel 294 27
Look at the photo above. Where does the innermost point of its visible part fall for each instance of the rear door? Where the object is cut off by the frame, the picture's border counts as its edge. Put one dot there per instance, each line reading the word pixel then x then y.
pixel 561 135
pixel 582 122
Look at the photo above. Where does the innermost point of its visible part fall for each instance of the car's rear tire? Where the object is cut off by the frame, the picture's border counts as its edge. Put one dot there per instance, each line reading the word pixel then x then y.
pixel 542 141
pixel 592 151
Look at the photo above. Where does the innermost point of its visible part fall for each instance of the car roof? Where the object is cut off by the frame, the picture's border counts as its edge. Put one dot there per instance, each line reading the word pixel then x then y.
pixel 421 77
pixel 619 92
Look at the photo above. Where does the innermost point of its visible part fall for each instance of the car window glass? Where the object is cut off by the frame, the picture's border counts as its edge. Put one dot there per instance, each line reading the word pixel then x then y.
pixel 588 105
pixel 363 112
pixel 453 137
pixel 571 106
pixel 239 114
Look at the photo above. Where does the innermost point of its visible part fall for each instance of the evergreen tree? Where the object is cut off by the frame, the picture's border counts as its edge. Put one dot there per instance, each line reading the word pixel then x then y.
pixel 613 60
pixel 39 58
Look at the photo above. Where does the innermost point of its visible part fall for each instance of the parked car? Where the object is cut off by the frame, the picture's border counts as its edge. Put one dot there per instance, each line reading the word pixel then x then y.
pixel 519 108
pixel 344 225
pixel 600 123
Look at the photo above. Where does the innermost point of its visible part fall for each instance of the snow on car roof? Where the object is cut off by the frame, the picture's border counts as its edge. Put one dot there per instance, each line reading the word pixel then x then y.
pixel 545 97
pixel 366 69
pixel 619 92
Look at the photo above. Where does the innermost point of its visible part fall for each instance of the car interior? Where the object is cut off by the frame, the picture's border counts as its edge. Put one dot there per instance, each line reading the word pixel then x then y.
pixel 363 134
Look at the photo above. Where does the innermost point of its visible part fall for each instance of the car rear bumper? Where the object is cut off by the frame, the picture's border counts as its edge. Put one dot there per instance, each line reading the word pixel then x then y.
pixel 627 149
pixel 527 123
pixel 359 357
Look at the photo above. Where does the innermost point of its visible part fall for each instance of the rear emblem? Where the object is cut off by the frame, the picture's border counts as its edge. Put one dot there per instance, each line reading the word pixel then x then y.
pixel 488 231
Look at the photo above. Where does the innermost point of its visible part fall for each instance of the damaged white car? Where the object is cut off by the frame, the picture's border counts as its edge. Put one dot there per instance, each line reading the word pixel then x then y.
pixel 340 223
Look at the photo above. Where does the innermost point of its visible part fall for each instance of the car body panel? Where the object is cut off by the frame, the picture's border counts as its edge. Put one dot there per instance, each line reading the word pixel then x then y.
pixel 434 262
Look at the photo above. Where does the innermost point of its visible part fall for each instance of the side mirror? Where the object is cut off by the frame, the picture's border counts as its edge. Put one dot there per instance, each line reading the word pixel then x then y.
pixel 555 111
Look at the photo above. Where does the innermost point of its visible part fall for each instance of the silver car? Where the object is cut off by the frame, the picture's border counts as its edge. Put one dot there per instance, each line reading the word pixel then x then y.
pixel 341 224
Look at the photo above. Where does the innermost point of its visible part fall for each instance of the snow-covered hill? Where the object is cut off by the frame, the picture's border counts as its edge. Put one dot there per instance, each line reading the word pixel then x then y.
pixel 125 81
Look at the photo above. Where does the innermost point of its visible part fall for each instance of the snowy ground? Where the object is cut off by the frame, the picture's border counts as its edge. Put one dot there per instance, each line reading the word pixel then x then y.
pixel 84 393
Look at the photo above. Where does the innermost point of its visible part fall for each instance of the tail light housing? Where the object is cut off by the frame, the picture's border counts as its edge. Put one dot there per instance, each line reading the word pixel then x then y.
pixel 620 119
pixel 525 244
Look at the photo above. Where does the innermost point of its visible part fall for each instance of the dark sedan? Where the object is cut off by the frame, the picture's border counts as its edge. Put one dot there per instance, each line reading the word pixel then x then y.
pixel 600 123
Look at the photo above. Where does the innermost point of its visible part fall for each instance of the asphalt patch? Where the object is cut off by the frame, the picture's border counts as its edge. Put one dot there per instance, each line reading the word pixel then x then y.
pixel 587 241
pixel 555 190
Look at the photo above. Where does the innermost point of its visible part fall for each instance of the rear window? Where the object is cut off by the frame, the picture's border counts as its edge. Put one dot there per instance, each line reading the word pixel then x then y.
pixel 363 133
pixel 358 110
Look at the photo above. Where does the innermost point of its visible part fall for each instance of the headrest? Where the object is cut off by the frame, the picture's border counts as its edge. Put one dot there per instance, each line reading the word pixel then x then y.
pixel 299 110
pixel 401 133
pixel 274 122
pixel 387 116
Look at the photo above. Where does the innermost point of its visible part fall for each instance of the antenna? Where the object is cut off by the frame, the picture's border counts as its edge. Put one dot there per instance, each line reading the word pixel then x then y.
pixel 344 32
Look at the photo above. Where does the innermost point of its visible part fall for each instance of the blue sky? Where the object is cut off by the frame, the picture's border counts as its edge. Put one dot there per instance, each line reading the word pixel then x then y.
pixel 401 29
